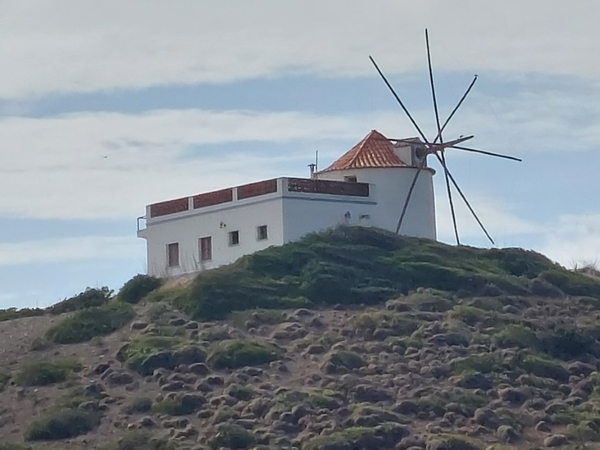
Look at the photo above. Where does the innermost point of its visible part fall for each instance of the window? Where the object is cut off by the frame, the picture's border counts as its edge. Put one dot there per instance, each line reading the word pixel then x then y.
pixel 261 233
pixel 205 248
pixel 234 237
pixel 173 254
pixel 350 179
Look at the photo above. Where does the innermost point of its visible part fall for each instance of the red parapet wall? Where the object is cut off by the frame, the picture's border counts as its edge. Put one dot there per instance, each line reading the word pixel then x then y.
pixel 169 207
pixel 213 198
pixel 310 186
pixel 256 189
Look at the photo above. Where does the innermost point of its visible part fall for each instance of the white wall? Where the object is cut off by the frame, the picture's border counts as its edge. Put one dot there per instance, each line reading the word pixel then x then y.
pixel 187 229
pixel 391 189
pixel 306 213
pixel 290 216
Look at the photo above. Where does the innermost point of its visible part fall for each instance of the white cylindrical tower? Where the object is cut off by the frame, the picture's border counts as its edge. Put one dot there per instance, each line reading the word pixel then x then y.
pixel 375 160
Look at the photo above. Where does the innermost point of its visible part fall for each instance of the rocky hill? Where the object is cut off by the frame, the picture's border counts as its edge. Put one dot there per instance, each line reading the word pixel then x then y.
pixel 351 339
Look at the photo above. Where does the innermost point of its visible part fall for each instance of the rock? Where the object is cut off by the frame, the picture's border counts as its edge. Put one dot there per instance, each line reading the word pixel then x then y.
pixel 119 378
pixel 371 394
pixel 95 390
pixel 485 417
pixel 303 312
pixel 543 427
pixel 215 380
pixel 180 422
pixel 189 355
pixel 253 371
pixel 514 396
pixel 191 325
pixel 476 380
pixel 556 407
pixel 289 331
pixel 507 434
pixel 316 349
pixel 101 368
pixel 173 386
pixel 406 407
pixel 199 368
pixel 315 322
pixel 147 422
pixel 177 322
pixel 556 440
pixel 186 433
pixel 91 406
pixel 192 401
pixel 139 325
pixel 580 368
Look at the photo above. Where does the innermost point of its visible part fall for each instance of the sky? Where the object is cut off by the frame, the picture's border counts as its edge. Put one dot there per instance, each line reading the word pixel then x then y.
pixel 108 106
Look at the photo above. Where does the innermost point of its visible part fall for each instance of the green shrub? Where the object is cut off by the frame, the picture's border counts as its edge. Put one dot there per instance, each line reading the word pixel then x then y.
pixel 472 316
pixel 258 316
pixel 4 379
pixel 137 288
pixel 431 300
pixel 347 359
pixel 232 354
pixel 88 323
pixel 72 399
pixel 243 393
pixel 340 439
pixel 64 424
pixel 180 405
pixel 174 295
pixel 543 367
pixel 567 343
pixel 145 353
pixel 571 283
pixel 141 440
pixel 285 401
pixel 14 313
pixel 517 336
pixel 584 432
pixel 234 437
pixel 43 373
pixel 138 405
pixel 484 363
pixel 397 323
pixel 452 443
pixel 89 298
pixel 13 446
pixel 353 265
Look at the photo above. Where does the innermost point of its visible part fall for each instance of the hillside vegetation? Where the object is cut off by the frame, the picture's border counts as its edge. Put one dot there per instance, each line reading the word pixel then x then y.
pixel 347 340
pixel 363 266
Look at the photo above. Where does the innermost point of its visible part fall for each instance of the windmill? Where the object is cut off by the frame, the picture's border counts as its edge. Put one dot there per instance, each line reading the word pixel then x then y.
pixel 438 147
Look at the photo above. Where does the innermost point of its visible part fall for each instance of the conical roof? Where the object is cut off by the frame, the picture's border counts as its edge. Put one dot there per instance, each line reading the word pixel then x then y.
pixel 374 150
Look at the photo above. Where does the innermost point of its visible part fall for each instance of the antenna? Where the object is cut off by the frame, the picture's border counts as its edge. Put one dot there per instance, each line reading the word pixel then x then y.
pixel 438 147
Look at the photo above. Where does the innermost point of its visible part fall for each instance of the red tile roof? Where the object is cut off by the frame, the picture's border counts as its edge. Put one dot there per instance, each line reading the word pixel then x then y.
pixel 375 150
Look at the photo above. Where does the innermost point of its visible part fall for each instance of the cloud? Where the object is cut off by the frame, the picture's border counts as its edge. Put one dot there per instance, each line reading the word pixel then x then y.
pixel 50 251
pixel 83 46
pixel 110 165
pixel 497 217
pixel 573 239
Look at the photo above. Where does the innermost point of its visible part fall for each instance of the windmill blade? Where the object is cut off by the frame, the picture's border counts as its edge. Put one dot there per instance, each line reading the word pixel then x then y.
pixel 397 98
pixel 435 105
pixel 439 129
pixel 460 102
pixel 442 162
pixel 474 150
pixel 409 195
pixel 449 191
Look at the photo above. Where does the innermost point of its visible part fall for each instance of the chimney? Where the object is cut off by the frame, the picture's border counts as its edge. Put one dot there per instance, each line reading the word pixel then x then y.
pixel 312 170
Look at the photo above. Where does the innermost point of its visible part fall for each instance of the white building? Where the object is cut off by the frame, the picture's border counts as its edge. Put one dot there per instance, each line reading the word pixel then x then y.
pixel 367 186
